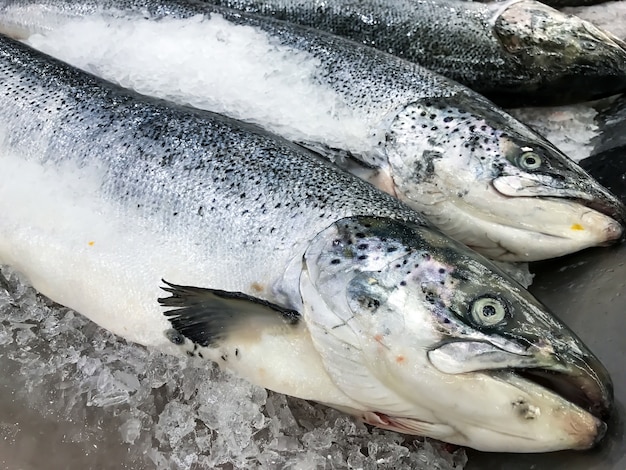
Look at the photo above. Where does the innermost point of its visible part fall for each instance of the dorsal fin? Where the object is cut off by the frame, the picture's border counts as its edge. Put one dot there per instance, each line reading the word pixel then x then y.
pixel 206 316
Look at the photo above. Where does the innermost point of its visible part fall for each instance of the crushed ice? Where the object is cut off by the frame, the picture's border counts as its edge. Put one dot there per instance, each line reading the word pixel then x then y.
pixel 175 413
pixel 570 128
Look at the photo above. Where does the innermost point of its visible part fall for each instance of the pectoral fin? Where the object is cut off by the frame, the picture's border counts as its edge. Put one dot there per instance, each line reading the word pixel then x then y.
pixel 208 316
pixel 409 426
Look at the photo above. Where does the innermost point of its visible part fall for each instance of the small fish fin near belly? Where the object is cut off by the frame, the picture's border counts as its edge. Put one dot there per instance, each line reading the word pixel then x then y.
pixel 371 168
pixel 208 316
pixel 409 426
pixel 339 156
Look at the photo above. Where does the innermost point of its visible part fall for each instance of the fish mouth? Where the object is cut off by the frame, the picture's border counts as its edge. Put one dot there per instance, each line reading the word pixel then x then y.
pixel 589 393
pixel 614 210
pixel 593 197
pixel 584 420
pixel 578 377
pixel 589 390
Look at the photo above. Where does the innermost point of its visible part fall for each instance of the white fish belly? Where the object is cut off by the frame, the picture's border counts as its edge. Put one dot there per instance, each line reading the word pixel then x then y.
pixel 76 248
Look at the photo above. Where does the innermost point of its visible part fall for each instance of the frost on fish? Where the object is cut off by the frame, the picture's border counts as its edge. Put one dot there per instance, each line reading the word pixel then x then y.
pixel 287 76
pixel 117 404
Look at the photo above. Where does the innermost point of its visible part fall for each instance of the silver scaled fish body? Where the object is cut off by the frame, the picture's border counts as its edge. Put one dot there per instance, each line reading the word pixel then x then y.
pixel 517 52
pixel 308 281
pixel 478 174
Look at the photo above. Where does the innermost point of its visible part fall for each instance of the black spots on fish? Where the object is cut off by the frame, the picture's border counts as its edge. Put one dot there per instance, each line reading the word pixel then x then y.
pixel 498 168
pixel 448 119
pixel 368 303
pixel 424 169
pixel 524 409
pixel 335 261
pixel 224 357
pixel 391 249
pixel 237 353
pixel 174 337
pixel 403 283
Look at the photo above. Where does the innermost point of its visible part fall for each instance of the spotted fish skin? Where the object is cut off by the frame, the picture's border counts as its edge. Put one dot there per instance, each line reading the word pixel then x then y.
pixel 433 143
pixel 160 175
pixel 517 53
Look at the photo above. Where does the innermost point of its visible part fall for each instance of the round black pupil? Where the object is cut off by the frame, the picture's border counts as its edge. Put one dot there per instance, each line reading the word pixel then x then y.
pixel 530 161
pixel 489 310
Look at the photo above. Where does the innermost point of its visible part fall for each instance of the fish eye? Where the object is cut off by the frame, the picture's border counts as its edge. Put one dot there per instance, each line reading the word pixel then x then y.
pixel 488 311
pixel 530 161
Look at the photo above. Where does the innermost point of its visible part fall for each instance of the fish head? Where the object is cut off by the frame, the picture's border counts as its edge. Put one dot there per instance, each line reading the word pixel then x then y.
pixel 427 333
pixel 489 181
pixel 560 58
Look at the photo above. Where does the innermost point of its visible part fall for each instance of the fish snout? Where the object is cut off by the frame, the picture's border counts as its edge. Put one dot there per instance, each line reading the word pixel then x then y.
pixel 582 381
pixel 605 228
pixel 575 208
pixel 571 55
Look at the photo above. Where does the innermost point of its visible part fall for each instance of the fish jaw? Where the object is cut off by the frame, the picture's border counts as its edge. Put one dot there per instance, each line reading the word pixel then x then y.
pixel 527 228
pixel 562 52
pixel 535 421
pixel 391 309
pixel 468 177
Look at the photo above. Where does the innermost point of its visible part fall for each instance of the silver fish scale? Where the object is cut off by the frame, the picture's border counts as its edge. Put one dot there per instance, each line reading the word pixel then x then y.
pixel 432 33
pixel 177 166
pixel 356 73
